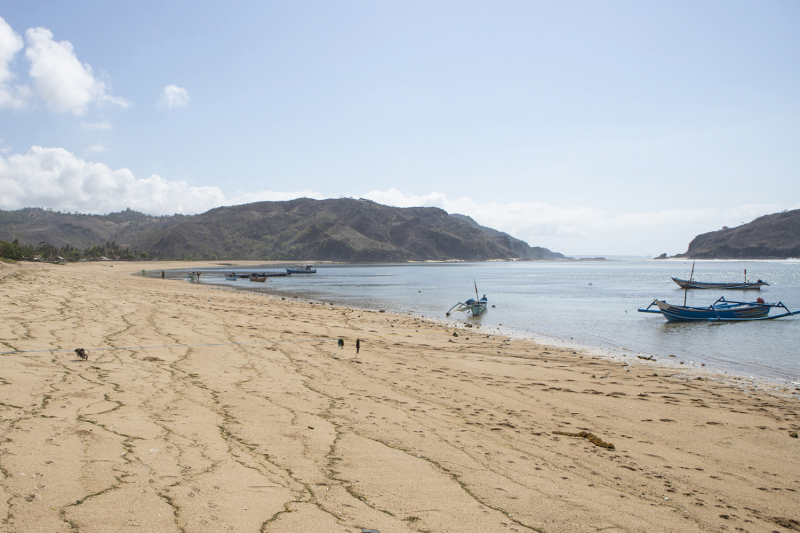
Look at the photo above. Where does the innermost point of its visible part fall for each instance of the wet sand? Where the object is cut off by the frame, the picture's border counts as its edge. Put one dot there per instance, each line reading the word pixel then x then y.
pixel 226 411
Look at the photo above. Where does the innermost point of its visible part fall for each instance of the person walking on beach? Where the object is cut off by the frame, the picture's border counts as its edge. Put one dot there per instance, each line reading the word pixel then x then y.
pixel 162 274
pixel 341 343
pixel 358 346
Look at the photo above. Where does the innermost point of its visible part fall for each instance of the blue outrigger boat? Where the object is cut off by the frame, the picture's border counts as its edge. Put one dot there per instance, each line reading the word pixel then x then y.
pixel 720 311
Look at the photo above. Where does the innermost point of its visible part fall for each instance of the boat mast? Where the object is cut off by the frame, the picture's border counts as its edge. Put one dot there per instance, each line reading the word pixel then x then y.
pixel 686 290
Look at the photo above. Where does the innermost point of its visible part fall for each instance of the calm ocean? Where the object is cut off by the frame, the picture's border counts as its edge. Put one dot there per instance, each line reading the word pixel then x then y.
pixel 586 304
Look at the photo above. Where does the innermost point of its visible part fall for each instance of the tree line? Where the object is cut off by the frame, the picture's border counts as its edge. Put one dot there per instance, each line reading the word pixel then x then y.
pixel 47 252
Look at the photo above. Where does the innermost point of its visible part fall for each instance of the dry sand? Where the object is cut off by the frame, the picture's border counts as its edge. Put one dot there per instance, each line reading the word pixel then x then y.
pixel 190 428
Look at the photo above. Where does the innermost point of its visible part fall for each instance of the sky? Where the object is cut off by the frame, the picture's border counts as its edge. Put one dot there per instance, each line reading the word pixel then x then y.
pixel 589 128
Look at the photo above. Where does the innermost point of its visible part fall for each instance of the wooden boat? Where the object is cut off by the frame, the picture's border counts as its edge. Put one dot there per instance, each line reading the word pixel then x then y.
pixel 743 286
pixel 720 311
pixel 257 278
pixel 474 305
pixel 307 269
pixel 746 286
pixel 231 277
pixel 267 275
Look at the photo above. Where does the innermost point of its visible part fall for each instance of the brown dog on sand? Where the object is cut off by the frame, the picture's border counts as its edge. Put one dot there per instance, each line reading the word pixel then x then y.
pixel 82 354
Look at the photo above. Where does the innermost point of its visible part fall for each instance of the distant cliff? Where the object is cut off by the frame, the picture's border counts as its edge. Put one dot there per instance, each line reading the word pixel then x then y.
pixel 303 229
pixel 769 237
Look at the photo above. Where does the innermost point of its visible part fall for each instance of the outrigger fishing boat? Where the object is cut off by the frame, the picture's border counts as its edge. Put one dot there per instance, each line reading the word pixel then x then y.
pixel 256 277
pixel 231 277
pixel 746 286
pixel 475 306
pixel 720 311
pixel 743 286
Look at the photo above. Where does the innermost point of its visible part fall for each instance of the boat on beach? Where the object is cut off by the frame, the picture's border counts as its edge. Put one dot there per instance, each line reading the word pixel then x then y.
pixel 231 277
pixel 258 278
pixel 720 311
pixel 307 269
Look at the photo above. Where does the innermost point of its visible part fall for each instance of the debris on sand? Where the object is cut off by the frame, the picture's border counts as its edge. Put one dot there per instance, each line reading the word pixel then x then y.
pixel 591 437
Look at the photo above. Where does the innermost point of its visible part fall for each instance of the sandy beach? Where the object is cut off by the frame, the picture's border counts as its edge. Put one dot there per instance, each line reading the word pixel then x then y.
pixel 203 409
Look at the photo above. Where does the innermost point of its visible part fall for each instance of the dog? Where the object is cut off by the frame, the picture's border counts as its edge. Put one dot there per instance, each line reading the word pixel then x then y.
pixel 83 355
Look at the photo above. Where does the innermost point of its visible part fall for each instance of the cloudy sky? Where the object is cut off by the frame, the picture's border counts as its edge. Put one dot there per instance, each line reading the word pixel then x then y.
pixel 585 127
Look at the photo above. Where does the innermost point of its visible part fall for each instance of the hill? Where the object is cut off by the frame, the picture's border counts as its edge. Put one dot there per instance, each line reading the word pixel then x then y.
pixel 522 248
pixel 303 229
pixel 774 236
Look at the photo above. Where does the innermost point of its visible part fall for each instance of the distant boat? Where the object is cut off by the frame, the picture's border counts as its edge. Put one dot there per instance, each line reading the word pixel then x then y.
pixel 257 278
pixel 720 311
pixel 231 277
pixel 266 275
pixel 307 269
pixel 473 305
pixel 743 286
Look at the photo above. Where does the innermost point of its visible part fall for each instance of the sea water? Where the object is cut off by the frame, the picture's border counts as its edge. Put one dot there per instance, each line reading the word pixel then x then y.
pixel 588 304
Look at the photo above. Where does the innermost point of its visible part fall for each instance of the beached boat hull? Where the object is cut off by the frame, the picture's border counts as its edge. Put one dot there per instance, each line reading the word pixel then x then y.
pixel 689 284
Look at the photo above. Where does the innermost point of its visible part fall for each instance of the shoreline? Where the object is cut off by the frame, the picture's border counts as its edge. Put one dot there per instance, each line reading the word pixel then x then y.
pixel 691 369
pixel 422 431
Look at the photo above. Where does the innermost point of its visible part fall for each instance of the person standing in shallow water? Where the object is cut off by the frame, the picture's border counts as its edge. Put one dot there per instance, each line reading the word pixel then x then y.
pixel 358 346
pixel 162 274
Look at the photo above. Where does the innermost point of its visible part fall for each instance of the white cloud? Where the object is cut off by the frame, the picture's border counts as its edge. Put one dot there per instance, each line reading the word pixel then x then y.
pixel 54 177
pixel 102 126
pixel 10 44
pixel 173 96
pixel 95 148
pixel 60 80
pixel 585 229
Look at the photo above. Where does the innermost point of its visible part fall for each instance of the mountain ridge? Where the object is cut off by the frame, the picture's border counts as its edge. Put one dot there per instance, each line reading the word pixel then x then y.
pixel 775 236
pixel 341 229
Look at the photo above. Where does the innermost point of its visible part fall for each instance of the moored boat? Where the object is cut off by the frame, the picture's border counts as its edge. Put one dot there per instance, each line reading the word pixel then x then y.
pixel 306 269
pixel 720 311
pixel 257 278
pixel 231 277
pixel 745 286
pixel 474 305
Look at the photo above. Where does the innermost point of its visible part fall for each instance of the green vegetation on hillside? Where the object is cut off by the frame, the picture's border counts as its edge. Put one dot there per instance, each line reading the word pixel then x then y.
pixel 341 229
